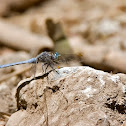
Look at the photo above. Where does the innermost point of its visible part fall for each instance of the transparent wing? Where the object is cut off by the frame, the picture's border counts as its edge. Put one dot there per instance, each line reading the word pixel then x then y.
pixel 68 60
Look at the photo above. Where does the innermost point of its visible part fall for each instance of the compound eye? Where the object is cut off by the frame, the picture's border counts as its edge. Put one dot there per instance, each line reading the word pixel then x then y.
pixel 56 55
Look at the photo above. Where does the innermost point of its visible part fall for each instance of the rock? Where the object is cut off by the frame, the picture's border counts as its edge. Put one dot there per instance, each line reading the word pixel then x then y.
pixel 101 56
pixel 7 101
pixel 124 123
pixel 103 122
pixel 106 27
pixel 77 96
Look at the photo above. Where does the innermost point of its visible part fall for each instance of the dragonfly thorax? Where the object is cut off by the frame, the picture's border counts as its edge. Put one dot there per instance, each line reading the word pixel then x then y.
pixel 47 57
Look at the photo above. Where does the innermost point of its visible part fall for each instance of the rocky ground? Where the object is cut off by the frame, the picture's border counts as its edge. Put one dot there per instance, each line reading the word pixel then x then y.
pixel 77 96
pixel 90 89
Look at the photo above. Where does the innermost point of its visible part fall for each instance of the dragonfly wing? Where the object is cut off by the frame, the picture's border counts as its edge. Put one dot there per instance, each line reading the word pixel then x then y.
pixel 66 58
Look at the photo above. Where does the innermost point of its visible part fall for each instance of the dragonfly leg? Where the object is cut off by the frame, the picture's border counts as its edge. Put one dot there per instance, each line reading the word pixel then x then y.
pixel 56 62
pixel 46 67
pixel 53 68
pixel 43 66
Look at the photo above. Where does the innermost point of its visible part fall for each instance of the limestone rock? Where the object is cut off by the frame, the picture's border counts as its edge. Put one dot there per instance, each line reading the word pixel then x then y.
pixel 77 96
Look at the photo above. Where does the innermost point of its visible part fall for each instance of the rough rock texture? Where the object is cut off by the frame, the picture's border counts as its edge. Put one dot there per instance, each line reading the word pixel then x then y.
pixel 77 96
pixel 124 123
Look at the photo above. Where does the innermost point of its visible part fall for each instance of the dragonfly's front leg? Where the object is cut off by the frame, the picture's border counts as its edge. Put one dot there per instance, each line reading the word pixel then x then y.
pixel 46 67
pixel 53 68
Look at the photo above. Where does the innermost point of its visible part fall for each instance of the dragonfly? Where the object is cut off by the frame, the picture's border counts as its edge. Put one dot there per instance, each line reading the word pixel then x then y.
pixel 47 59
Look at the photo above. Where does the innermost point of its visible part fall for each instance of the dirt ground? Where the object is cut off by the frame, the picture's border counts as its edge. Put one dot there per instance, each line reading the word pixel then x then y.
pixel 85 33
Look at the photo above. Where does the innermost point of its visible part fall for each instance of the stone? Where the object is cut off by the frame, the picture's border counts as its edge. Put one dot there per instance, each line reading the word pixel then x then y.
pixel 77 96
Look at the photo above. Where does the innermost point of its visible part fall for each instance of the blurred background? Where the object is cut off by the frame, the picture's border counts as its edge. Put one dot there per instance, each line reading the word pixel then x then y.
pixel 94 31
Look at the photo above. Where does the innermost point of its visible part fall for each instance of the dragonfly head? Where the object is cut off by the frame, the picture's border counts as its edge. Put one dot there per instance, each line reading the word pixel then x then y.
pixel 56 55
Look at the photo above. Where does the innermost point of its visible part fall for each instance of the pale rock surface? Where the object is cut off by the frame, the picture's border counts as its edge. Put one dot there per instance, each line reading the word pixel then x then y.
pixel 77 96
